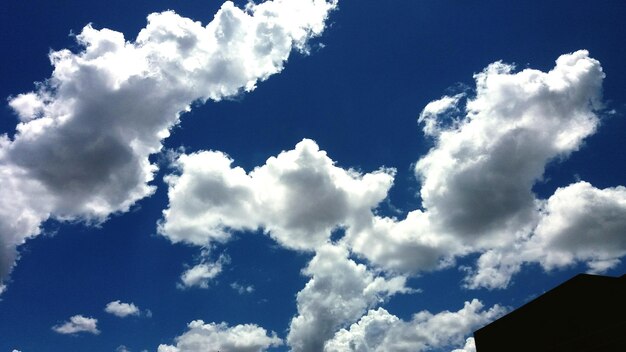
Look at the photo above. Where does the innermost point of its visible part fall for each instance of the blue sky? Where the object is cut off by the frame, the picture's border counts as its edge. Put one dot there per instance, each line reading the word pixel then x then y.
pixel 342 176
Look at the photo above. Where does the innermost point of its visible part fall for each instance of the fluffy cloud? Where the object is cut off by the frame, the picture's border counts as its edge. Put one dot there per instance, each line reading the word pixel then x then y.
pixel 203 337
pixel 298 197
pixel 339 292
pixel 82 145
pixel 581 223
pixel 578 223
pixel 477 181
pixel 470 346
pixel 121 310
pixel 365 335
pixel 201 274
pixel 77 324
pixel 381 331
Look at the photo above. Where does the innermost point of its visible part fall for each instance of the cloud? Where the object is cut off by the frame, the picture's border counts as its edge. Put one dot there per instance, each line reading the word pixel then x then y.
pixel 209 199
pixel 367 334
pixel 241 288
pixel 339 292
pixel 381 331
pixel 81 150
pixel 582 223
pixel 578 223
pixel 470 346
pixel 433 113
pixel 203 337
pixel 122 348
pixel 122 310
pixel 77 324
pixel 477 191
pixel 477 181
pixel 202 274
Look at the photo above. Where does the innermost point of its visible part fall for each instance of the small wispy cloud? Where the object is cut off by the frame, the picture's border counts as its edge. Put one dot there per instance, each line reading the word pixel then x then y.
pixel 78 324
pixel 241 288
pixel 121 309
pixel 202 274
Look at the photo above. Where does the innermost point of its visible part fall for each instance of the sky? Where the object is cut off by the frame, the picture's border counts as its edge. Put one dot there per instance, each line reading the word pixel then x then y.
pixel 302 175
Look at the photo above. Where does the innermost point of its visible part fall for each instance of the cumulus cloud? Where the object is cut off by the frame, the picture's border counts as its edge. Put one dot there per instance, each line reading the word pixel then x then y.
pixel 367 334
pixel 339 292
pixel 77 324
pixel 203 337
pixel 477 191
pixel 298 197
pixel 578 223
pixel 122 310
pixel 582 223
pixel 477 184
pixel 477 181
pixel 202 274
pixel 381 331
pixel 81 150
pixel 470 346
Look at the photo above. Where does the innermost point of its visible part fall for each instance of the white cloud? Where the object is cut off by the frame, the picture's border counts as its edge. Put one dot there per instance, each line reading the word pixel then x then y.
pixel 578 223
pixel 381 331
pixel 202 274
pixel 367 334
pixel 470 346
pixel 210 199
pixel 477 180
pixel 77 324
pixel 241 288
pixel 582 223
pixel 122 310
pixel 433 113
pixel 81 150
pixel 203 337
pixel 339 292
pixel 477 197
pixel 122 348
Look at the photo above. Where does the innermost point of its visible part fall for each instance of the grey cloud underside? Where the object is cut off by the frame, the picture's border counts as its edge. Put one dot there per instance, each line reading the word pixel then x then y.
pixel 81 150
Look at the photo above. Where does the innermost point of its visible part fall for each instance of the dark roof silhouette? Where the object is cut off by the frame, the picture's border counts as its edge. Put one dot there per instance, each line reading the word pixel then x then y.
pixel 584 314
